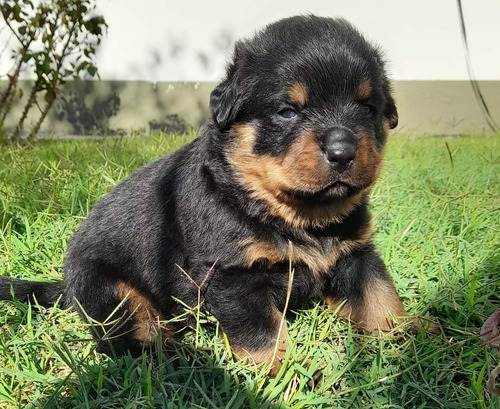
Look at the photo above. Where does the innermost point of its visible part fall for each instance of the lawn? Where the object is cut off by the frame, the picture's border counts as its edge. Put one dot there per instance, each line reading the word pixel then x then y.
pixel 437 213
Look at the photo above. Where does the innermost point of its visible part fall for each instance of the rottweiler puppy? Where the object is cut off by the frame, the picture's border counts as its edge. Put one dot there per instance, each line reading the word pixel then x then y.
pixel 279 174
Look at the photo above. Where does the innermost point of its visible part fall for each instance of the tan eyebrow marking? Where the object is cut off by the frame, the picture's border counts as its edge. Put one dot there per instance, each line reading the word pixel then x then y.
pixel 298 93
pixel 364 89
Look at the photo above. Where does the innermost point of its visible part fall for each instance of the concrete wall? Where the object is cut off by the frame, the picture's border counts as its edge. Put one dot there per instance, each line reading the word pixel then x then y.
pixel 122 107
pixel 444 107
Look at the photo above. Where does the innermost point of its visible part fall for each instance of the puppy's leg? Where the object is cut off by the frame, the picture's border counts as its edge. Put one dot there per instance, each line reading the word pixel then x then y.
pixel 121 317
pixel 360 288
pixel 246 311
pixel 271 351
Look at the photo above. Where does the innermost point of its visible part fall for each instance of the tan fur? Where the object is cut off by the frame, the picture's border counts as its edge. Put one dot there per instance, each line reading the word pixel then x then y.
pixel 254 250
pixel 146 318
pixel 386 126
pixel 272 355
pixel 270 179
pixel 368 164
pixel 298 93
pixel 378 310
pixel 364 89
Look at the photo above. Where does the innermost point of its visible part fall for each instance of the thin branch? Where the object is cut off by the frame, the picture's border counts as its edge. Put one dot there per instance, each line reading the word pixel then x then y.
pixel 13 32
pixel 474 83
pixel 199 289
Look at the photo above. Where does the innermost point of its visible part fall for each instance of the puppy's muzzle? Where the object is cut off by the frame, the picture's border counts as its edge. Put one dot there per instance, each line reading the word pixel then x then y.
pixel 339 147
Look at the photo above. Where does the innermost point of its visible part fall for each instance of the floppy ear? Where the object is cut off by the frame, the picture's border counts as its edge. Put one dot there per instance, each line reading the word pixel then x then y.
pixel 391 112
pixel 227 98
pixel 224 99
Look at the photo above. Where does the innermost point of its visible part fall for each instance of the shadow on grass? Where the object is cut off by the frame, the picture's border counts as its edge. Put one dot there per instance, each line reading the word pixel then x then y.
pixel 415 371
pixel 181 378
pixel 464 305
pixel 47 360
pixel 450 370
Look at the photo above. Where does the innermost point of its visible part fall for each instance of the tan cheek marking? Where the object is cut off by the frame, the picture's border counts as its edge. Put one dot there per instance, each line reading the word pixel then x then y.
pixel 305 164
pixel 386 126
pixel 268 178
pixel 378 310
pixel 364 89
pixel 146 318
pixel 258 172
pixel 254 250
pixel 300 168
pixel 298 93
pixel 368 164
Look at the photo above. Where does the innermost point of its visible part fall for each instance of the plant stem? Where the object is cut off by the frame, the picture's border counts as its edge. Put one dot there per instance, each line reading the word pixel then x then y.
pixel 8 96
pixel 45 111
pixel 27 107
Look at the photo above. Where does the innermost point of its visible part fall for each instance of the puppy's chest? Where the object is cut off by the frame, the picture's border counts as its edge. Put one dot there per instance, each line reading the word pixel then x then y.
pixel 319 254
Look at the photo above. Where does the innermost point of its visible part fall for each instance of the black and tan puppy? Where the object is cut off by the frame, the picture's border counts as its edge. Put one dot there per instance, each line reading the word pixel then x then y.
pixel 281 171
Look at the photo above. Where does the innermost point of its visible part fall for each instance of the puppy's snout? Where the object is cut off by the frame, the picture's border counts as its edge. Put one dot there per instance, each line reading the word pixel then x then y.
pixel 339 147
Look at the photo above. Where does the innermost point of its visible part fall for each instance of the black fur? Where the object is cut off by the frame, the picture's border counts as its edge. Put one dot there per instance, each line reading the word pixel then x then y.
pixel 46 294
pixel 191 209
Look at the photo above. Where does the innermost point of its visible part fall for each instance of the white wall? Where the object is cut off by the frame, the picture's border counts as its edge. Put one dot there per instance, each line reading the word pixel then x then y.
pixel 188 40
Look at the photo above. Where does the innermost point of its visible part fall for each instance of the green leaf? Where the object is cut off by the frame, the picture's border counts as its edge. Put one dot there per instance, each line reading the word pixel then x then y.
pixel 45 67
pixel 17 13
pixel 91 69
pixel 81 66
pixel 6 11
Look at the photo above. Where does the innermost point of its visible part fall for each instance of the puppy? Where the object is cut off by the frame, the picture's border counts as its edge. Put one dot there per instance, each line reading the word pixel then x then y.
pixel 279 174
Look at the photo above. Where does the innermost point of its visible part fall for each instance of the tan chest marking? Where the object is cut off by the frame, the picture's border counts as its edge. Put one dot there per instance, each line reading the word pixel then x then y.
pixel 318 261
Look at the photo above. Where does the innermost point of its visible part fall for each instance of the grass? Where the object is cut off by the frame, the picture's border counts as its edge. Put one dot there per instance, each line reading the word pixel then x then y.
pixel 437 212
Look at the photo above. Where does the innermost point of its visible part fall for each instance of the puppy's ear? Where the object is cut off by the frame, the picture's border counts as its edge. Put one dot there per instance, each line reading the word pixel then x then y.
pixel 391 112
pixel 227 97
pixel 223 100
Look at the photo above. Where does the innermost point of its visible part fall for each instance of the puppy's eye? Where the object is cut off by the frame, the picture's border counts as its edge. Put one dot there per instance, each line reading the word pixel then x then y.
pixel 368 109
pixel 288 113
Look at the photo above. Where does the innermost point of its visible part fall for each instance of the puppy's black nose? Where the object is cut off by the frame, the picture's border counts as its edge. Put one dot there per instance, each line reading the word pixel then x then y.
pixel 340 147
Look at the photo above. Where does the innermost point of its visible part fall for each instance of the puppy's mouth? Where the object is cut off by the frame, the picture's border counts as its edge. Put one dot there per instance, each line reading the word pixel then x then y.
pixel 336 190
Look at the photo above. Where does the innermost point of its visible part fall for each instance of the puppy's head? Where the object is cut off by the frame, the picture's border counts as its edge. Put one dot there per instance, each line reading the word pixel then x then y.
pixel 304 113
